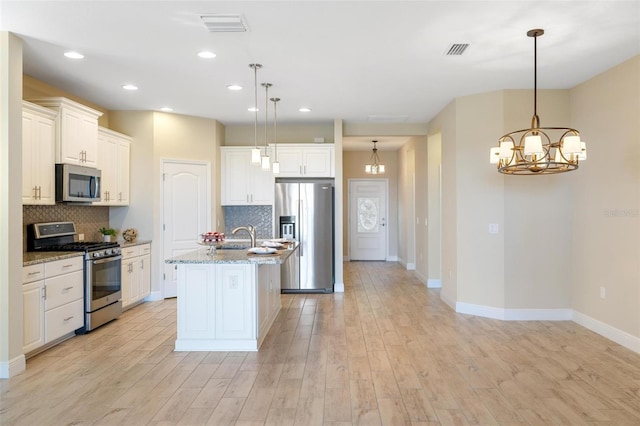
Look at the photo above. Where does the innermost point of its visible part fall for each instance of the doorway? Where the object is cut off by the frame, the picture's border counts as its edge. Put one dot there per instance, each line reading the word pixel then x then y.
pixel 368 230
pixel 186 212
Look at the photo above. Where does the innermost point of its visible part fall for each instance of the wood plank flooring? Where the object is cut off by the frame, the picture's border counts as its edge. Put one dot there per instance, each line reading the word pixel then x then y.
pixel 387 351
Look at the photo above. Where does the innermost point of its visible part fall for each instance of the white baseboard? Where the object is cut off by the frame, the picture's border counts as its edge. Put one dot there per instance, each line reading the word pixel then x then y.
pixel 338 287
pixel 392 258
pixel 153 296
pixel 434 283
pixel 621 337
pixel 13 367
pixel 515 314
pixel 411 266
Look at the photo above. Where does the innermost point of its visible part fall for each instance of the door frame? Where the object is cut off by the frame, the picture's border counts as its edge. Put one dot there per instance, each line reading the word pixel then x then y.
pixel 161 222
pixel 351 181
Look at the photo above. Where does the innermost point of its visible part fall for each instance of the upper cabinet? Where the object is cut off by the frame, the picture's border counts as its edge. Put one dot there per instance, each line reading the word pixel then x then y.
pixel 113 161
pixel 306 160
pixel 38 157
pixel 76 131
pixel 243 183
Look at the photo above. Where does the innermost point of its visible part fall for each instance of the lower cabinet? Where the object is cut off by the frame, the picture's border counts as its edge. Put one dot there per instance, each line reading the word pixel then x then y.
pixel 227 307
pixel 53 301
pixel 136 274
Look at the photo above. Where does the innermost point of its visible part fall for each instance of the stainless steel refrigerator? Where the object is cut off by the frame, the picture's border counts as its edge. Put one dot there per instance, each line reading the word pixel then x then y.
pixel 304 212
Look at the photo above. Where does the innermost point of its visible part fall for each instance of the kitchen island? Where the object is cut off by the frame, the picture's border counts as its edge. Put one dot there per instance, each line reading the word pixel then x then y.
pixel 227 300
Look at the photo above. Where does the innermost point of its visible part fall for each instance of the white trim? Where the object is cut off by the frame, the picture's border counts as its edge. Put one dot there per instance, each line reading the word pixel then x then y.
pixel 154 296
pixel 392 258
pixel 431 283
pixel 514 314
pixel 621 337
pixel 411 266
pixel 338 287
pixel 14 367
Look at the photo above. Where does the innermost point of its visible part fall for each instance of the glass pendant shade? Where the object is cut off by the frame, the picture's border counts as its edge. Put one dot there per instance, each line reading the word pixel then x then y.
pixel 255 155
pixel 275 167
pixel 265 162
pixel 374 166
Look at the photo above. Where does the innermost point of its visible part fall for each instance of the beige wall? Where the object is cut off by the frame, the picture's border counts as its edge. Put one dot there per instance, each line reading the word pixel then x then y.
pixel 606 198
pixel 432 270
pixel 300 133
pixel 406 205
pixel 353 168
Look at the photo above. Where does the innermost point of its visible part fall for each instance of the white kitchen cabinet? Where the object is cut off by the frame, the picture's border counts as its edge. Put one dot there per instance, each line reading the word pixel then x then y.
pixel 242 182
pixel 76 131
pixel 268 298
pixel 53 301
pixel 306 160
pixel 234 305
pixel 113 160
pixel 38 154
pixel 136 274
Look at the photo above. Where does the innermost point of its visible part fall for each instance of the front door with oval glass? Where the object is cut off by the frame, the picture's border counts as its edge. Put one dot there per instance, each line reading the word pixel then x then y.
pixel 367 219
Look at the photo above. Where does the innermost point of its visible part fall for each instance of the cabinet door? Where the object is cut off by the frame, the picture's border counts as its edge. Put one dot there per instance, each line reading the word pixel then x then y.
pixel 264 309
pixel 38 158
pixel 122 185
pixel 107 158
pixel 317 162
pixel 89 140
pixel 144 277
pixel 129 281
pixel 63 289
pixel 290 160
pixel 235 301
pixel 71 150
pixel 33 316
pixel 196 290
pixel 262 186
pixel 63 320
pixel 235 181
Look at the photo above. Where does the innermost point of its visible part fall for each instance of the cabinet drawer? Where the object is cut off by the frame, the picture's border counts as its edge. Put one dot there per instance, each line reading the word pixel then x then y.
pixel 145 249
pixel 32 273
pixel 129 252
pixel 63 266
pixel 63 320
pixel 63 289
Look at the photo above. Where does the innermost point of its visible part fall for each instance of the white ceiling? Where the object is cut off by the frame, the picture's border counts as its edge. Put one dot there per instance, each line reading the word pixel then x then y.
pixel 344 59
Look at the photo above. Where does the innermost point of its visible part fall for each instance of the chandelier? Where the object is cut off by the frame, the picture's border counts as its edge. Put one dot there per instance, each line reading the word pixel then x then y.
pixel 374 167
pixel 264 160
pixel 275 166
pixel 533 151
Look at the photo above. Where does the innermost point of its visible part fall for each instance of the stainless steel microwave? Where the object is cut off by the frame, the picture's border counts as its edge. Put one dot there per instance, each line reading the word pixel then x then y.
pixel 77 184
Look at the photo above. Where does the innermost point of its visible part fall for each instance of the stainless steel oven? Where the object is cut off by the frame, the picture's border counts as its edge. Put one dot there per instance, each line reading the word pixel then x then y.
pixel 103 287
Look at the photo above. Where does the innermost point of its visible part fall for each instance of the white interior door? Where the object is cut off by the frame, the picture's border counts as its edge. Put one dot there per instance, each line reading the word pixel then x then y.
pixel 368 219
pixel 186 212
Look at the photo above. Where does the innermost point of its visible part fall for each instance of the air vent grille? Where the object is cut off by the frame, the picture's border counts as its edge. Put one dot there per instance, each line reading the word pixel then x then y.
pixel 457 49
pixel 228 22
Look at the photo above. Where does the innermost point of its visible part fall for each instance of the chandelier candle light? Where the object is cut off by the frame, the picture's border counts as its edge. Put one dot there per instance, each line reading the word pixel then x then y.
pixel 374 167
pixel 265 154
pixel 255 151
pixel 275 165
pixel 531 151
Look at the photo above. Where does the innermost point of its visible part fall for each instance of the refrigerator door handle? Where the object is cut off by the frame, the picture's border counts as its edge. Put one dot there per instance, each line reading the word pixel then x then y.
pixel 300 230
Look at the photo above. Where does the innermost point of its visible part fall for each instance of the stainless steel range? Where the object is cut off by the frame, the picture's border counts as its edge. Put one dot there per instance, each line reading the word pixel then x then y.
pixel 102 269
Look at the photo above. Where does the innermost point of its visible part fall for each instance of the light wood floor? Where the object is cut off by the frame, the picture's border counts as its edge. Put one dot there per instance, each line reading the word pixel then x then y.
pixel 387 351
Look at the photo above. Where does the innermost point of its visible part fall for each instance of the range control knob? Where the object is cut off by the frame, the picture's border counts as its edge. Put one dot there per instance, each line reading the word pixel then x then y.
pixel 97 254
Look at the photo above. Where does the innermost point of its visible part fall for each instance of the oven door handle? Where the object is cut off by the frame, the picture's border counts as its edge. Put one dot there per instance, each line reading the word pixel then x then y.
pixel 108 259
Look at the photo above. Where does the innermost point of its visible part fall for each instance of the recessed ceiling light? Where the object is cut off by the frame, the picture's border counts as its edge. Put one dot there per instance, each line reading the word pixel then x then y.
pixel 73 55
pixel 130 87
pixel 305 109
pixel 234 87
pixel 253 109
pixel 206 55
pixel 166 109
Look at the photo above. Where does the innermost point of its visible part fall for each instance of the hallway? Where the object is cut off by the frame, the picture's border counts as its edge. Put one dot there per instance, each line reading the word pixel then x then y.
pixel 387 351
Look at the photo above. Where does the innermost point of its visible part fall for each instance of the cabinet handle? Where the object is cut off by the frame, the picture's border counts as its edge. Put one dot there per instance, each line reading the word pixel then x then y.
pixel 67 288
pixel 305 169
pixel 44 292
pixel 68 265
pixel 39 192
pixel 141 263
pixel 35 192
pixel 119 196
pixel 33 273
pixel 68 318
pixel 247 198
pixel 300 167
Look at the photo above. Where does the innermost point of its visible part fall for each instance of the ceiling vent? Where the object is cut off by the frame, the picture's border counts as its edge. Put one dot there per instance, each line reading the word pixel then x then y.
pixel 224 23
pixel 457 49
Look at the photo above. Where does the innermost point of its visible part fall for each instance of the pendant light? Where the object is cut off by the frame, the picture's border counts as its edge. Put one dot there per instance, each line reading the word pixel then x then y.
pixel 531 151
pixel 374 167
pixel 265 155
pixel 255 151
pixel 275 165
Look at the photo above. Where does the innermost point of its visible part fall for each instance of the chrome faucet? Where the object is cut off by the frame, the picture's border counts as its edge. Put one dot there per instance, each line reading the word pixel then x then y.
pixel 250 229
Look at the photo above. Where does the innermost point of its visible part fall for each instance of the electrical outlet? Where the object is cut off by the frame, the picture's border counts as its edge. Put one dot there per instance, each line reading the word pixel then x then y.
pixel 80 237
pixel 603 293
pixel 494 228
pixel 234 283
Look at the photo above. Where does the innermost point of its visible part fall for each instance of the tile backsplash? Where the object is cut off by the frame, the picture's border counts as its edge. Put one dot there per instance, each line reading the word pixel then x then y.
pixel 258 216
pixel 88 219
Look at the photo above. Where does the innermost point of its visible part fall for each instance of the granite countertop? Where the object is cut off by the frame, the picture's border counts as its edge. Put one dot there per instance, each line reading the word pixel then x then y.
pixel 34 257
pixel 232 256
pixel 133 243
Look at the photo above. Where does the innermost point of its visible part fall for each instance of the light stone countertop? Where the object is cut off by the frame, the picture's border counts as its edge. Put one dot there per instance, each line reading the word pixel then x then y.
pixel 134 243
pixel 34 257
pixel 232 256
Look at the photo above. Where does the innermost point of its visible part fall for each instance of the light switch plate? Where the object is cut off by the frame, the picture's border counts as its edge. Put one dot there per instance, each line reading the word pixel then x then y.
pixel 494 228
